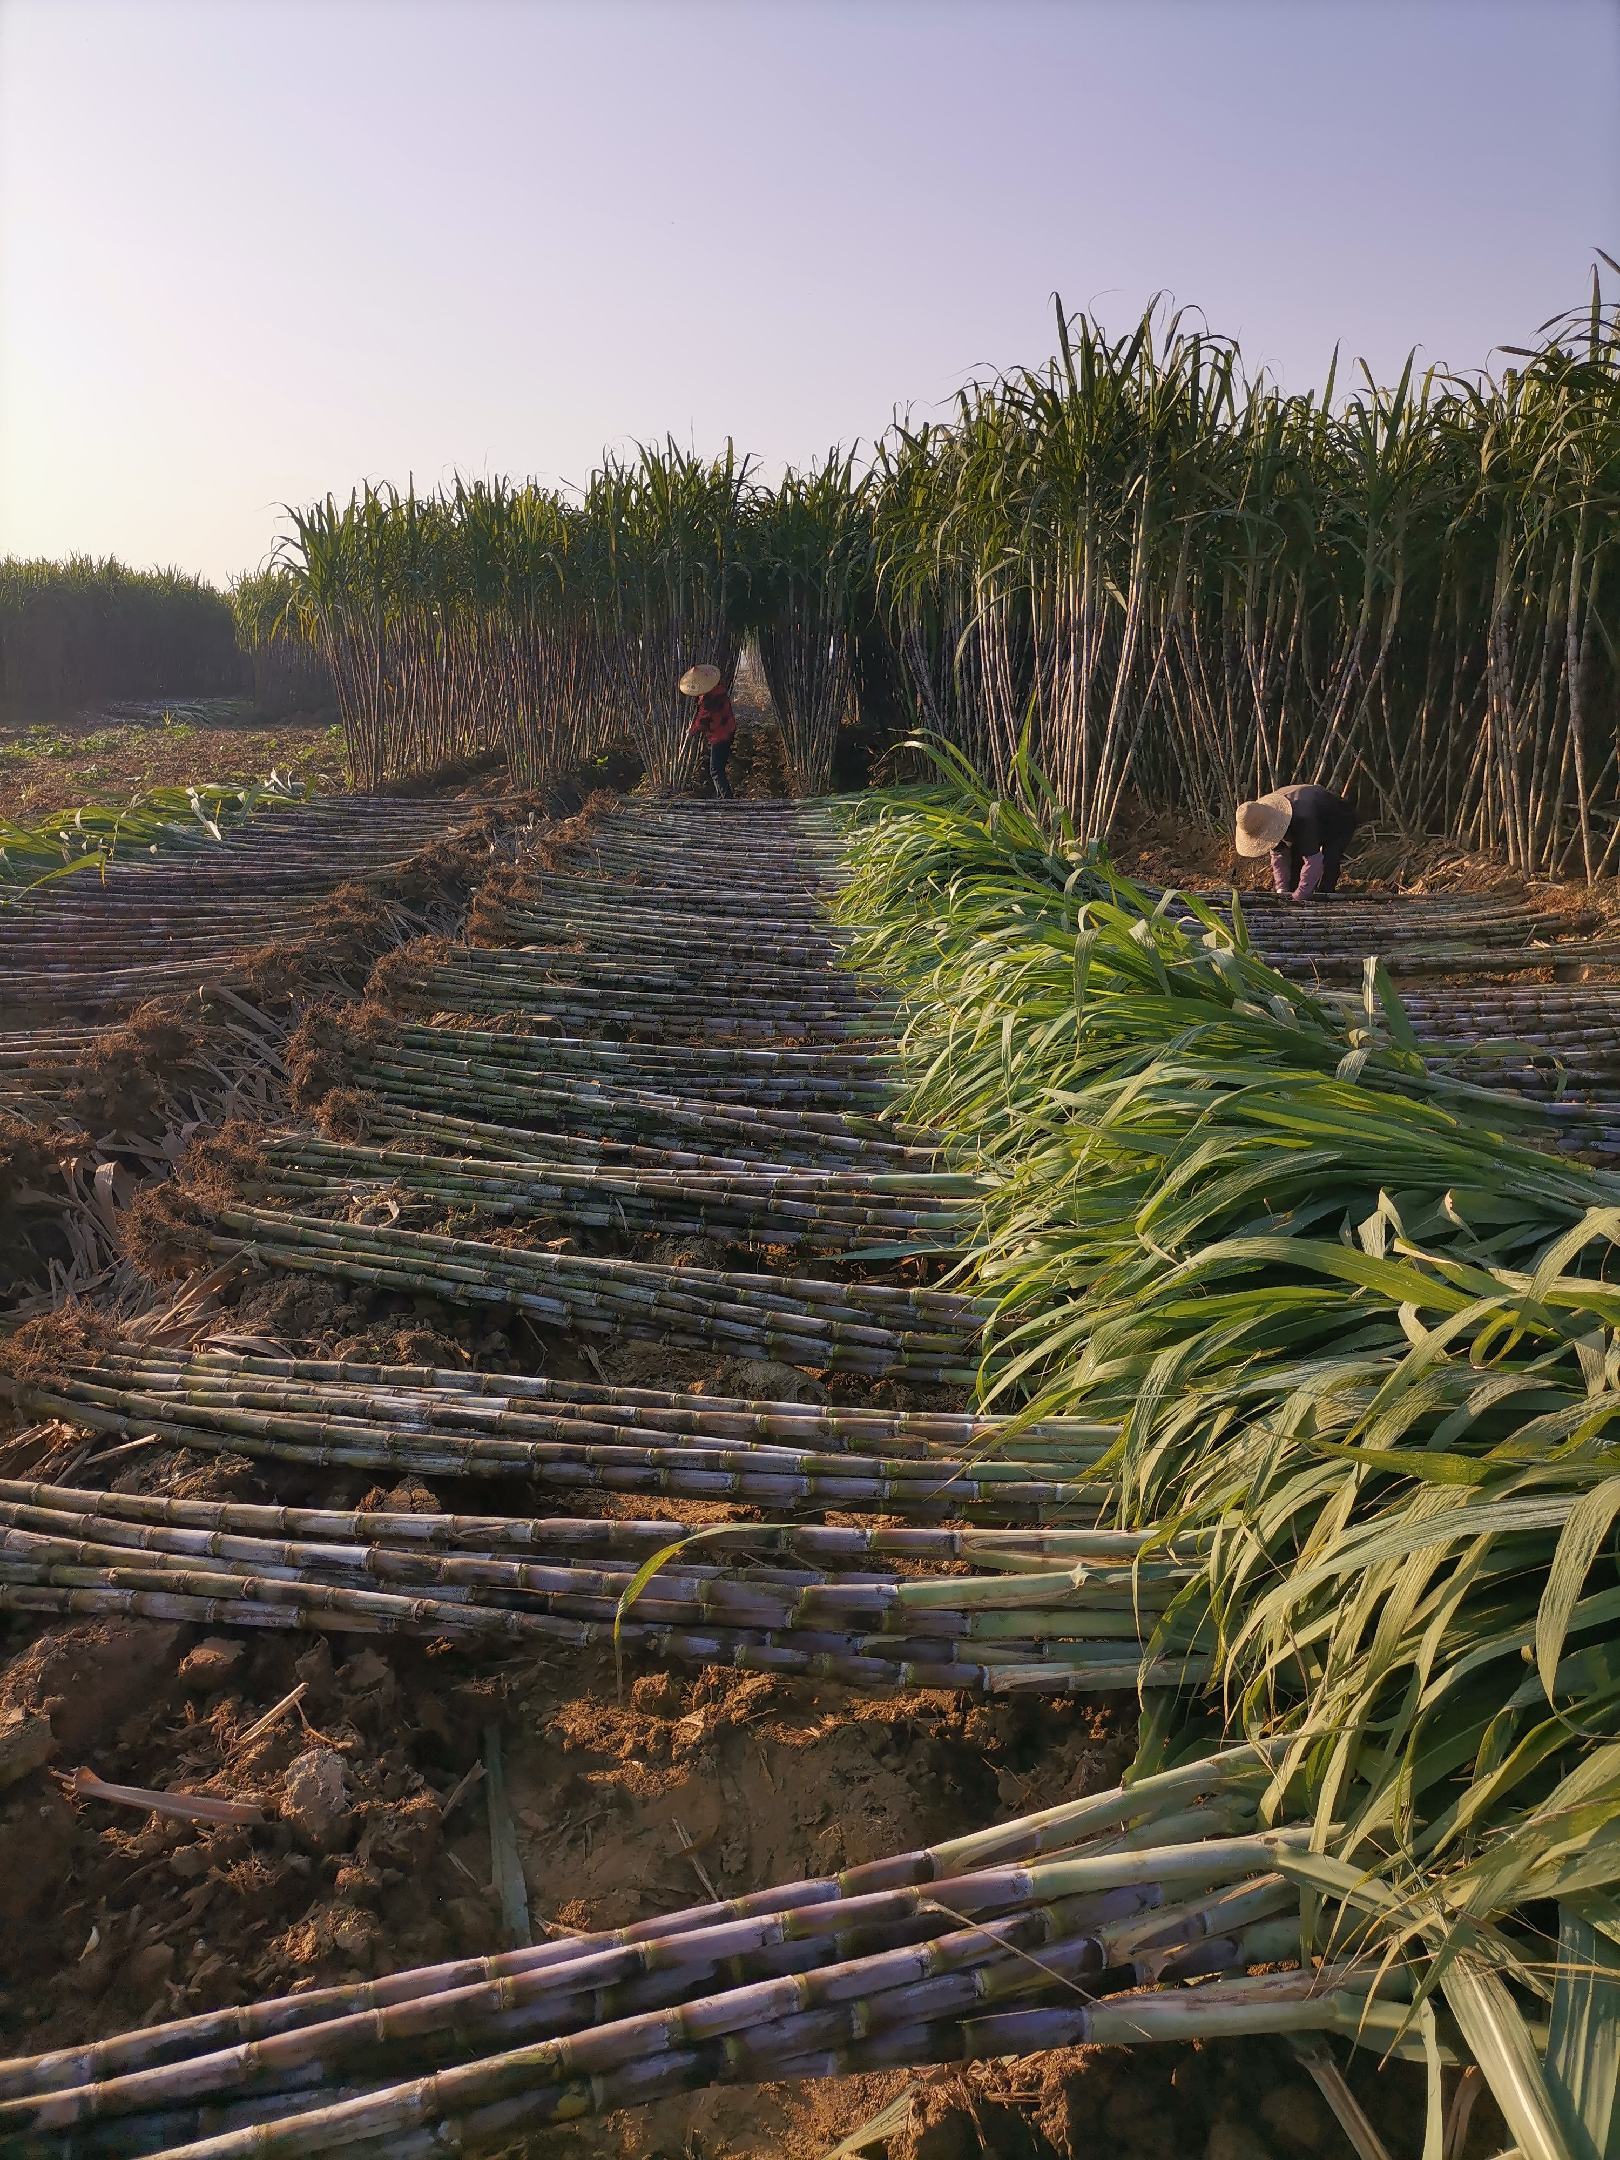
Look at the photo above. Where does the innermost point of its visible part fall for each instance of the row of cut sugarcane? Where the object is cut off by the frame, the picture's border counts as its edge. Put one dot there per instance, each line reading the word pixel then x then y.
pixel 148 927
pixel 804 1320
pixel 581 1436
pixel 609 1125
pixel 510 1072
pixel 1425 938
pixel 1553 1044
pixel 1442 962
pixel 471 979
pixel 1396 918
pixel 608 909
pixel 37 1064
pixel 706 877
pixel 1395 915
pixel 672 969
pixel 1077 1619
pixel 745 1203
pixel 296 844
pixel 602 905
pixel 609 927
pixel 792 857
pixel 1082 1924
pixel 1483 949
pixel 275 861
pixel 421 1394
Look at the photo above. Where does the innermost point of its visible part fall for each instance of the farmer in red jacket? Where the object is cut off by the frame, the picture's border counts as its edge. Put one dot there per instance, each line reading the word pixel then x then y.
pixel 714 721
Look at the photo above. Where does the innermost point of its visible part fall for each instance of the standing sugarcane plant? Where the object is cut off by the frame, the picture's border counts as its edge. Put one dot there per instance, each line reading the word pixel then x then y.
pixel 520 624
pixel 1184 583
pixel 810 548
pixel 1167 577
pixel 669 582
pixel 289 675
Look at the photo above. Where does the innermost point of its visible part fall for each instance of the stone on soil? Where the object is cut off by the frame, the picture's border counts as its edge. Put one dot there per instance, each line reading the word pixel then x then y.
pixel 149 1968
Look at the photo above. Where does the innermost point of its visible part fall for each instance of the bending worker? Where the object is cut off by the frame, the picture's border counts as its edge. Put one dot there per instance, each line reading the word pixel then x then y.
pixel 714 720
pixel 1306 830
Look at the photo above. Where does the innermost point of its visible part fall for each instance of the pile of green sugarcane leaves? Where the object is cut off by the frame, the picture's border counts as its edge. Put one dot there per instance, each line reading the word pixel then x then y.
pixel 1358 1323
pixel 92 835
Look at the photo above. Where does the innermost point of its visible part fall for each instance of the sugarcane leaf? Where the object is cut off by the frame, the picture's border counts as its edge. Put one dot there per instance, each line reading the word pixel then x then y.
pixel 1501 2044
pixel 653 1566
pixel 1379 997
pixel 1580 1540
pixel 1583 2037
pixel 886 2124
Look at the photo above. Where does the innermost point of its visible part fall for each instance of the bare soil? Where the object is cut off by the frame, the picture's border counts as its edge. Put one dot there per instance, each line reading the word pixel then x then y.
pixel 49 761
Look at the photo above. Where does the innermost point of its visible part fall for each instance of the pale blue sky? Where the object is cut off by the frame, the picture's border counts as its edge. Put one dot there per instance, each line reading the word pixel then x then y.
pixel 251 250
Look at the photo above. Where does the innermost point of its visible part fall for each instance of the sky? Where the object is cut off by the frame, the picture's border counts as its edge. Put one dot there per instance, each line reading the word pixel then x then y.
pixel 253 251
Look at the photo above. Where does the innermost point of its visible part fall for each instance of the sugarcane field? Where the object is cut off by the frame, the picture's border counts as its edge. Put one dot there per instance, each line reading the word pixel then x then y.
pixel 809 1337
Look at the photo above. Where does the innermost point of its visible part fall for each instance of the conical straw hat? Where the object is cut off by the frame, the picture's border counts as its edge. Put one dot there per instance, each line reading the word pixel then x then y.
pixel 1260 825
pixel 699 681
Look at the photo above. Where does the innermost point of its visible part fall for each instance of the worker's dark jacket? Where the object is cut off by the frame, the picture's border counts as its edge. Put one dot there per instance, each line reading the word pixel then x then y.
pixel 1310 854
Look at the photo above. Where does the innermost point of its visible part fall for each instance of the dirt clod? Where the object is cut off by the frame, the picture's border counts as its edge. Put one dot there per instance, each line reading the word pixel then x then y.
pixel 26 1742
pixel 210 1664
pixel 315 1799
pixel 938 2127
pixel 1230 2139
pixel 149 1968
pixel 1298 2116
pixel 87 1676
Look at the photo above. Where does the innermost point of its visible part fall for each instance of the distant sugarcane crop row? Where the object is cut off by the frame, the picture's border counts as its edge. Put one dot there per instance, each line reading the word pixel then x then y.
pixel 83 632
pixel 79 630
pixel 1185 582
pixel 289 675
pixel 524 618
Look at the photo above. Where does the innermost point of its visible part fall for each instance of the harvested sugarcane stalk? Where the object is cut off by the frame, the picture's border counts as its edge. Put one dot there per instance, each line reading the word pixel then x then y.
pixel 572 1435
pixel 1084 1626
pixel 609 1125
pixel 861 1327
pixel 1138 1887
pixel 749 1203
